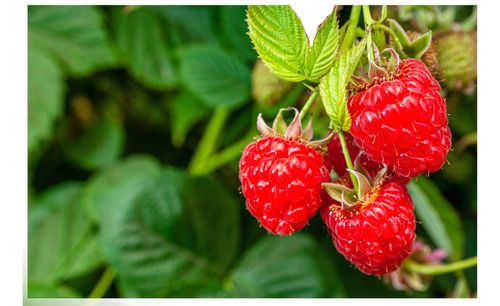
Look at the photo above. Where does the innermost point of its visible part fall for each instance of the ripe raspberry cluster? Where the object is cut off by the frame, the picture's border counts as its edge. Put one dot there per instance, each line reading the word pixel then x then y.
pixel 399 130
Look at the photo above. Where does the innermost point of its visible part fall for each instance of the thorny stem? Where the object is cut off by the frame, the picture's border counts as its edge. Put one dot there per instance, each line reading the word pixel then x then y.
pixel 103 284
pixel 350 34
pixel 349 163
pixel 442 269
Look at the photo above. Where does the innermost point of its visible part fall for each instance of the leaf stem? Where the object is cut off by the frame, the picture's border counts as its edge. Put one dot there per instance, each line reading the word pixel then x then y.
pixel 208 142
pixel 350 34
pixel 305 108
pixel 368 20
pixel 103 284
pixel 441 269
pixel 395 39
pixel 349 162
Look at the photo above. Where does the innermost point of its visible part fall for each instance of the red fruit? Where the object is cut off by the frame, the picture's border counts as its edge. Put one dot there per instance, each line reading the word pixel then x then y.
pixel 402 121
pixel 281 181
pixel 337 159
pixel 378 233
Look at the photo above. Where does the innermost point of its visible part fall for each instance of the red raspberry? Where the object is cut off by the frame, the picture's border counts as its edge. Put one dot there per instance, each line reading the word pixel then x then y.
pixel 281 181
pixel 378 233
pixel 337 159
pixel 402 121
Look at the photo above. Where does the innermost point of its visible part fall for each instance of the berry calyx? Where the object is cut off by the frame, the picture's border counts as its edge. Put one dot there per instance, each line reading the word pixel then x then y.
pixel 375 232
pixel 401 120
pixel 281 177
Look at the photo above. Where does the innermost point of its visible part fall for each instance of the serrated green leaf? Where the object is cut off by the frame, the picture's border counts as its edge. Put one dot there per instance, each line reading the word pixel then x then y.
pixel 59 236
pixel 333 86
pixel 439 219
pixel 280 40
pixel 45 94
pixel 113 187
pixel 218 78
pixel 177 233
pixel 141 38
pixel 320 57
pixel 99 145
pixel 75 34
pixel 280 267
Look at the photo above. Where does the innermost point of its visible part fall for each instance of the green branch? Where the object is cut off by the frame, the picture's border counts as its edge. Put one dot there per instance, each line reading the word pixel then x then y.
pixel 441 269
pixel 312 97
pixel 103 284
pixel 349 162
pixel 350 34
pixel 208 143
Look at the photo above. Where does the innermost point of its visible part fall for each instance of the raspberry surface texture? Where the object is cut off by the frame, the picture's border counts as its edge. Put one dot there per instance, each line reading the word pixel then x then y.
pixel 281 181
pixel 376 236
pixel 403 121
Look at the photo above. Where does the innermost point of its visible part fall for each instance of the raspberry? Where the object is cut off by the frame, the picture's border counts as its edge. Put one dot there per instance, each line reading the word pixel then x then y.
pixel 336 158
pixel 378 233
pixel 281 181
pixel 402 121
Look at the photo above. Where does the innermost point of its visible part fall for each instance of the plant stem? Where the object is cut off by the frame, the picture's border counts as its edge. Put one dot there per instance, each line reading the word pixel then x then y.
pixel 349 162
pixel 208 142
pixel 368 20
pixel 395 39
pixel 441 269
pixel 103 284
pixel 350 34
pixel 312 97
pixel 229 153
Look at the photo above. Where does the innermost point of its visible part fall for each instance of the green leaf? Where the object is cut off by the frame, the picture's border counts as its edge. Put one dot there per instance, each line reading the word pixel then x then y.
pixel 185 112
pixel 38 290
pixel 61 243
pixel 439 219
pixel 333 86
pixel 46 91
pixel 97 146
pixel 280 40
pixel 217 77
pixel 141 38
pixel 233 26
pixel 179 232
pixel 76 35
pixel 113 187
pixel 281 267
pixel 320 57
pixel 200 28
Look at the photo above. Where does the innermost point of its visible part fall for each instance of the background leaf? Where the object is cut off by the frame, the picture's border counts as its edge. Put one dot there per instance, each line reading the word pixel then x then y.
pixel 320 57
pixel 141 38
pixel 440 220
pixel 217 77
pixel 46 91
pixel 333 87
pixel 234 28
pixel 61 242
pixel 100 144
pixel 280 39
pixel 76 35
pixel 185 112
pixel 171 238
pixel 281 267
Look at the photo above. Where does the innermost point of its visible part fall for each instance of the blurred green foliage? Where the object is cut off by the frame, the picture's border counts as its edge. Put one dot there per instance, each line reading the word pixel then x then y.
pixel 136 119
